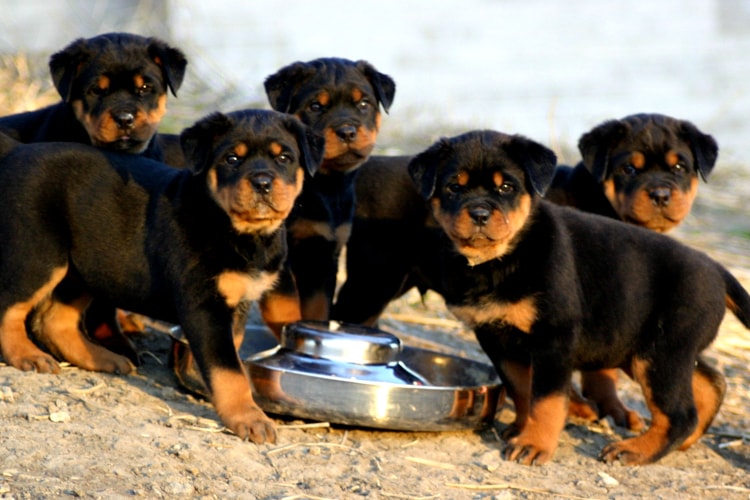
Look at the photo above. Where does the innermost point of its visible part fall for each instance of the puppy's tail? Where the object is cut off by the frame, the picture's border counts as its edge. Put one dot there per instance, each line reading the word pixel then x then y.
pixel 737 298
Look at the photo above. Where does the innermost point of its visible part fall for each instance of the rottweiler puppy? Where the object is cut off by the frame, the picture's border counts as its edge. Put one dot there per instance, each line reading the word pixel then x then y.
pixel 528 277
pixel 643 169
pixel 341 99
pixel 114 94
pixel 188 246
pixel 113 90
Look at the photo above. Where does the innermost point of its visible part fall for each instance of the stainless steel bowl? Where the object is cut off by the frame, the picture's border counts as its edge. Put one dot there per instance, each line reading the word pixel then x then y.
pixel 352 375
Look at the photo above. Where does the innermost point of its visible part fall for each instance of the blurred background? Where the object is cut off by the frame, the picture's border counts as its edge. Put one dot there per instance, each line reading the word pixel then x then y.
pixel 550 70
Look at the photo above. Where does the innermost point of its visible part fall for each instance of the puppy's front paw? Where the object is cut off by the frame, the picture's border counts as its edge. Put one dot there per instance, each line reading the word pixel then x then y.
pixel 526 452
pixel 252 425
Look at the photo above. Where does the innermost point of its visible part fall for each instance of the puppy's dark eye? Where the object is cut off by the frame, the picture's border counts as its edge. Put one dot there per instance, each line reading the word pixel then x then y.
pixel 629 169
pixel 454 188
pixel 284 159
pixel 364 105
pixel 506 188
pixel 232 160
pixel 316 107
pixel 97 90
pixel 678 168
pixel 144 89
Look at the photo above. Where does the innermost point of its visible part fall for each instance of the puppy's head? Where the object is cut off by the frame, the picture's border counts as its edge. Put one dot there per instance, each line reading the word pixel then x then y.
pixel 483 187
pixel 340 99
pixel 117 85
pixel 254 163
pixel 648 166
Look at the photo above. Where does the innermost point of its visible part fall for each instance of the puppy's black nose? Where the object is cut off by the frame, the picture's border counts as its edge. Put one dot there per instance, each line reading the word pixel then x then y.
pixel 262 183
pixel 347 133
pixel 124 120
pixel 660 196
pixel 479 215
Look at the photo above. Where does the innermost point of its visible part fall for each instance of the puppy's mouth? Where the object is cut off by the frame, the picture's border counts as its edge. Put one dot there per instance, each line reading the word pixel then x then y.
pixel 256 221
pixel 346 161
pixel 123 144
pixel 661 223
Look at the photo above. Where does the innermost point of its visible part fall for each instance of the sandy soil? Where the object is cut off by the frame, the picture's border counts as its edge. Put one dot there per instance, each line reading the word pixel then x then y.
pixel 90 435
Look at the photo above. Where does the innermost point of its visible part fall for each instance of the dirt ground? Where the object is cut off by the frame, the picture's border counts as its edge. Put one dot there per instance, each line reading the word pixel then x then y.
pixel 90 435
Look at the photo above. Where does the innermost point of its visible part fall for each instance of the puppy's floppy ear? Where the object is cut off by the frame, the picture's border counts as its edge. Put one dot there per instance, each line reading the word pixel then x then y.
pixel 596 145
pixel 282 85
pixel 311 144
pixel 171 61
pixel 64 66
pixel 385 87
pixel 198 140
pixel 703 146
pixel 538 162
pixel 423 168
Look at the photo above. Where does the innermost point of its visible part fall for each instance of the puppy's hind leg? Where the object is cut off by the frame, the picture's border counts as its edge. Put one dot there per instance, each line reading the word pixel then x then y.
pixel 709 387
pixel 15 305
pixel 60 331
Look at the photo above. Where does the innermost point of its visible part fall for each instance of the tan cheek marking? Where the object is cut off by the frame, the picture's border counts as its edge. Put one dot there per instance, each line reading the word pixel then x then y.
pixel 237 287
pixel 522 314
pixel 156 114
pixel 637 159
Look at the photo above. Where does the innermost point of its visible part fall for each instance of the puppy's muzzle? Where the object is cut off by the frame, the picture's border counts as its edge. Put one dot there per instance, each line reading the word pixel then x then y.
pixel 262 182
pixel 660 196
pixel 480 214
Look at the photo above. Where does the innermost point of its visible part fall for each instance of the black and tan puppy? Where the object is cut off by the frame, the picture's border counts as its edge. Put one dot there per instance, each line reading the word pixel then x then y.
pixel 643 169
pixel 114 94
pixel 341 99
pixel 187 246
pixel 550 289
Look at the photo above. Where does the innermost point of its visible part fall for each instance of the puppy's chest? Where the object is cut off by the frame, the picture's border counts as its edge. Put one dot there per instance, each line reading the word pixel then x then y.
pixel 236 286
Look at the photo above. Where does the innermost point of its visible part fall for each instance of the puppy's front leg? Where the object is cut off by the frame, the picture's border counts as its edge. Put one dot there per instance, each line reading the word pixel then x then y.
pixel 211 339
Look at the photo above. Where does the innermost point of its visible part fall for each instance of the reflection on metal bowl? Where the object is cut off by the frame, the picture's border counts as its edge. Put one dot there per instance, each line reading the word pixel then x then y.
pixel 383 385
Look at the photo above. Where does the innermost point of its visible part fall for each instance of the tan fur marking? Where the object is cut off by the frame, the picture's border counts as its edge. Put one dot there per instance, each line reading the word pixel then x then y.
pixel 138 81
pixel 671 158
pixel 497 179
pixel 278 310
pixel 521 314
pixel 60 332
pixel 644 448
pixel 17 350
pixel 305 228
pixel 324 98
pixel 707 397
pixel 239 287
pixel 357 95
pixel 542 431
pixel 316 307
pixel 233 400
pixel 240 149
pixel 492 240
pixel 275 148
pixel 638 159
pixel 103 82
pixel 251 212
pixel 462 178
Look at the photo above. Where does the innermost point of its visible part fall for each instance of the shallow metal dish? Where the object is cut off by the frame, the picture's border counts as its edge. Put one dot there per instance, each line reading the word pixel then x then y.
pixel 398 387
